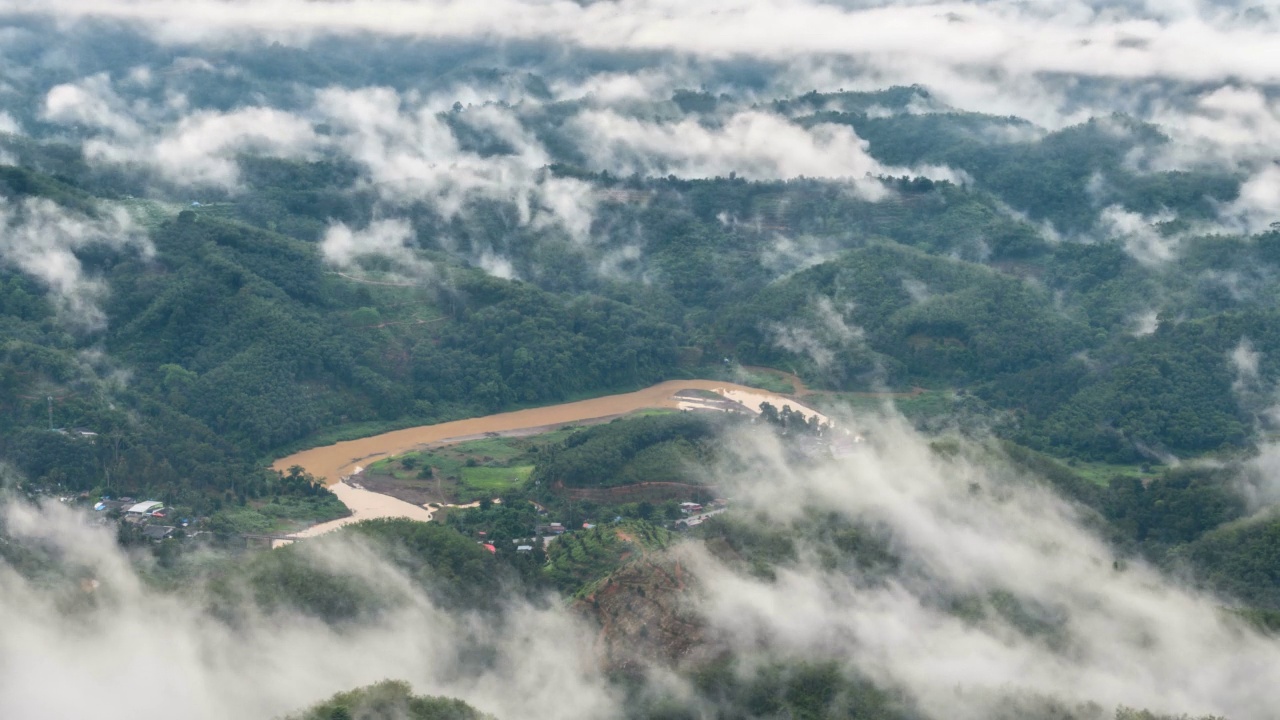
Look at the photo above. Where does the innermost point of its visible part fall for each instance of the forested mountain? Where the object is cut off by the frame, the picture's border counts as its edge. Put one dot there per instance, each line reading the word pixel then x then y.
pixel 228 328
pixel 1018 266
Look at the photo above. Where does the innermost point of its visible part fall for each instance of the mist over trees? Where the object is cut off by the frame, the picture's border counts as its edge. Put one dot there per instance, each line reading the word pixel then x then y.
pixel 1029 257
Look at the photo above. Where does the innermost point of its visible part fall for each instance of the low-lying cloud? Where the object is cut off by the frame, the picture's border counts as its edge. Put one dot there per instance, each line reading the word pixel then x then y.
pixel 202 148
pixel 822 336
pixel 753 145
pixel 182 147
pixel 41 239
pixel 9 125
pixel 1111 632
pixel 1141 237
pixel 411 154
pixel 1086 628
pixel 344 247
pixel 121 639
pixel 1054 66
pixel 1193 42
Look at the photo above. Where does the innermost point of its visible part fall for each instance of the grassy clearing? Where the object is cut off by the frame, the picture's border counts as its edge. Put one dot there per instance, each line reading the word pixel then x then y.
pixel 496 480
pixel 1074 478
pixel 491 450
pixel 150 213
pixel 926 404
pixel 772 383
pixel 470 470
pixel 1100 474
pixel 657 411
pixel 224 210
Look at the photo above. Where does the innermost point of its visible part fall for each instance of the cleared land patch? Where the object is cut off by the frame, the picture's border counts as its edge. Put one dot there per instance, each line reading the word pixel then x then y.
pixel 460 472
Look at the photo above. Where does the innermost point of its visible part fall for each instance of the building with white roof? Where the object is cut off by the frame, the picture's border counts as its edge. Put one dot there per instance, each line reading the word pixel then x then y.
pixel 146 508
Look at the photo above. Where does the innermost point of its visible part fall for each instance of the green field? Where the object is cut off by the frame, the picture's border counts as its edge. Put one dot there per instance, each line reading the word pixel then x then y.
pixel 471 470
pixel 495 479
pixel 1100 474
pixel 764 381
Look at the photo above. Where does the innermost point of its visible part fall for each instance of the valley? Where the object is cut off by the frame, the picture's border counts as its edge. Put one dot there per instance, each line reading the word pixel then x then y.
pixel 639 360
pixel 342 465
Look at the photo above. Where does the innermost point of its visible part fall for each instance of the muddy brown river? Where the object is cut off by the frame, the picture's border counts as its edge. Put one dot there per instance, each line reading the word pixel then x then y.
pixel 341 460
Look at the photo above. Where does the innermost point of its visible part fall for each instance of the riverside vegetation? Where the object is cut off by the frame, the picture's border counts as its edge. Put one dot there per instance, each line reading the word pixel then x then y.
pixel 236 339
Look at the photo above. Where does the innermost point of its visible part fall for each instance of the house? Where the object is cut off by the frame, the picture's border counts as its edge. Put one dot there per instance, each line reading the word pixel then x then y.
pixel 109 505
pixel 525 548
pixel 147 507
pixel 490 547
pixel 696 520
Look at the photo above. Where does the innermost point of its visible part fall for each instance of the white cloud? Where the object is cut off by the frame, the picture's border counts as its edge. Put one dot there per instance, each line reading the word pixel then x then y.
pixel 9 125
pixel 1224 127
pixel 393 239
pixel 611 89
pixel 1261 479
pixel 1001 57
pixel 196 149
pixel 821 335
pixel 92 103
pixel 496 265
pixel 752 144
pixel 1233 129
pixel 41 239
pixel 1258 205
pixel 1244 359
pixel 1199 42
pixel 201 149
pixel 1141 238
pixel 790 254
pixel 917 289
pixel 963 527
pixel 127 638
pixel 1032 60
pixel 411 154
pixel 1145 323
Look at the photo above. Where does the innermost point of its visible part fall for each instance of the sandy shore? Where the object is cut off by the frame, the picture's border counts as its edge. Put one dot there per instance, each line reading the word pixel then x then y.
pixel 365 505
pixel 753 399
pixel 332 463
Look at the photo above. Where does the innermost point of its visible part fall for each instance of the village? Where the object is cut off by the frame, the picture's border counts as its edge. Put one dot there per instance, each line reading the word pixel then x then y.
pixel 811 434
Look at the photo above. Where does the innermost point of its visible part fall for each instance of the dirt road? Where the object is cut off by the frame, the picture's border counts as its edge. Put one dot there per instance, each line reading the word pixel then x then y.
pixel 334 462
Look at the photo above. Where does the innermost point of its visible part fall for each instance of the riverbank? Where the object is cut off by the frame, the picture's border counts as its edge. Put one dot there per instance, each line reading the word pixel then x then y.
pixel 333 463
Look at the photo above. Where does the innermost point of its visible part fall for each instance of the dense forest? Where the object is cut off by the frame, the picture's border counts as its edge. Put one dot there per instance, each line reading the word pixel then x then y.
pixel 1049 338
pixel 211 329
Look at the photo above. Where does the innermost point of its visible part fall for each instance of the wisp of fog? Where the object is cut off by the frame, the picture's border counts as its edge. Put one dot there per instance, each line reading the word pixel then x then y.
pixel 1105 631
